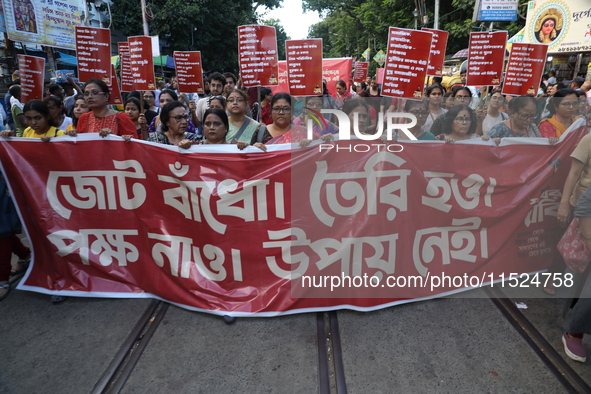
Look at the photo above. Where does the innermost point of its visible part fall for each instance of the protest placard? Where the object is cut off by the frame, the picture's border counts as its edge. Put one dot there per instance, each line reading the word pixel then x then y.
pixel 141 62
pixel 437 57
pixel 486 58
pixel 257 54
pixel 304 66
pixel 189 72
pixel 525 68
pixel 93 51
pixel 32 71
pixel 406 62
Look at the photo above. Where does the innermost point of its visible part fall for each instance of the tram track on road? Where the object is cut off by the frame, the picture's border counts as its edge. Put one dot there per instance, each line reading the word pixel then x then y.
pixel 121 366
pixel 568 377
pixel 331 371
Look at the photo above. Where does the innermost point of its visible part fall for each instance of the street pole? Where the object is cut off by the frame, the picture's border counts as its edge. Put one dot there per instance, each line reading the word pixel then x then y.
pixel 144 20
pixel 436 16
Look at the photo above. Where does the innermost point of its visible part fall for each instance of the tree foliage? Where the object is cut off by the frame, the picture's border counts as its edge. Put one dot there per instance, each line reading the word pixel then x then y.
pixel 351 26
pixel 209 26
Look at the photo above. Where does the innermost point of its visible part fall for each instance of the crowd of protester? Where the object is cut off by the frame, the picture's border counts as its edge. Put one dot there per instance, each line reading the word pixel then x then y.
pixel 229 114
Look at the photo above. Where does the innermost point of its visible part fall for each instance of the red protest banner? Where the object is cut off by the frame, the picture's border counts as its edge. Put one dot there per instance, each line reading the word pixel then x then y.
pixel 336 69
pixel 126 76
pixel 304 66
pixel 283 85
pixel 142 63
pixel 114 92
pixel 214 230
pixel 189 72
pixel 93 51
pixel 438 46
pixel 406 62
pixel 525 68
pixel 361 69
pixel 257 55
pixel 32 71
pixel 486 58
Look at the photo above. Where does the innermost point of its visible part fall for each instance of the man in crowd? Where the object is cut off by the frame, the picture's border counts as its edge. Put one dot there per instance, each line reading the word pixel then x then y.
pixel 216 86
pixel 16 109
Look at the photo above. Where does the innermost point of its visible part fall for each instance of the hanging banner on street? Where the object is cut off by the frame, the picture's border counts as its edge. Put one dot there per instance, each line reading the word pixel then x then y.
pixel 32 74
pixel 495 10
pixel 564 25
pixel 141 62
pixel 93 51
pixel 437 55
pixel 304 66
pixel 127 84
pixel 406 63
pixel 361 69
pixel 336 69
pixel 380 58
pixel 257 55
pixel 251 233
pixel 189 72
pixel 2 19
pixel 114 91
pixel 486 58
pixel 367 54
pixel 524 69
pixel 42 22
pixel 283 84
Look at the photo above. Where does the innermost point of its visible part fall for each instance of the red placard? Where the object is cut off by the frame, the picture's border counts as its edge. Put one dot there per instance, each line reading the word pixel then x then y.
pixel 336 69
pixel 361 69
pixel 93 51
pixel 406 62
pixel 257 54
pixel 304 66
pixel 486 58
pixel 115 93
pixel 126 77
pixel 438 46
pixel 525 68
pixel 141 62
pixel 189 72
pixel 283 85
pixel 32 71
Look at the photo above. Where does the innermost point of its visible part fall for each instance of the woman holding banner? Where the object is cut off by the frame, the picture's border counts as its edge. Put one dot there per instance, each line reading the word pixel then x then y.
pixel 281 131
pixel 102 119
pixel 564 108
pixel 242 128
pixel 460 124
pixel 168 96
pixel 522 111
pixel 174 124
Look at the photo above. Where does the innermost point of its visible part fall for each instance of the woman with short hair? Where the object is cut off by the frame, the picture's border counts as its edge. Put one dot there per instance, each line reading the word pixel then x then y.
pixel 101 118
pixel 174 123
pixel 522 111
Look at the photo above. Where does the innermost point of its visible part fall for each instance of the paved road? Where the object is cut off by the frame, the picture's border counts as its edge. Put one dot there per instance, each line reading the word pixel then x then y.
pixel 445 345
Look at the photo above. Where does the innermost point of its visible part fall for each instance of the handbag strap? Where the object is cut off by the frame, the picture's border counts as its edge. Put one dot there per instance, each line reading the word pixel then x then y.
pixel 242 128
pixel 262 130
